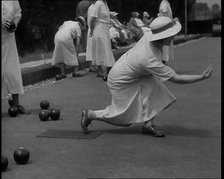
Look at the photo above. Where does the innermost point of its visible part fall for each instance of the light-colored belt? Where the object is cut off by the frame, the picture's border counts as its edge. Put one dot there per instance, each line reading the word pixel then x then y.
pixel 103 21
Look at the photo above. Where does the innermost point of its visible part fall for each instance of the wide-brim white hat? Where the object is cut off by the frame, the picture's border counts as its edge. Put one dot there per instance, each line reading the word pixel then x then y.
pixel 163 27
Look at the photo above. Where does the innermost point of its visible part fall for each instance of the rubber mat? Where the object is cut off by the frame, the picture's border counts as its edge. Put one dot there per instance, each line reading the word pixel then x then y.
pixel 72 134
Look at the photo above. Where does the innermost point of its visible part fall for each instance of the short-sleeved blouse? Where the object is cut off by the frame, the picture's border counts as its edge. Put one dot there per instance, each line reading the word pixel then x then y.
pixel 142 60
pixel 70 29
pixel 101 12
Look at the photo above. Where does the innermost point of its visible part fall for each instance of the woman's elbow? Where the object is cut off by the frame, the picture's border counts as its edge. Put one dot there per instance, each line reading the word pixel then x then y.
pixel 175 79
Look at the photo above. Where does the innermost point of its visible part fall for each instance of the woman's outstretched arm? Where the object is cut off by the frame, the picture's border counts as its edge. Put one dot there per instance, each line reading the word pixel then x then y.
pixel 184 79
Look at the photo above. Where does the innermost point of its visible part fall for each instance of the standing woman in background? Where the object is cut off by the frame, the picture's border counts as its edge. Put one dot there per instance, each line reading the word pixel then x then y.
pixel 165 10
pixel 89 39
pixel 81 10
pixel 11 72
pixel 99 30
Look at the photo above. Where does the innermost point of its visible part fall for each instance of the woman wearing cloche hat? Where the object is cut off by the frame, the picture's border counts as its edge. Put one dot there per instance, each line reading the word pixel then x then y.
pixel 136 82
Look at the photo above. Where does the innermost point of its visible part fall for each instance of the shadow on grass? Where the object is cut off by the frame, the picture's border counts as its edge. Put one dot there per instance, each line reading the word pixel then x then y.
pixel 133 130
pixel 187 132
pixel 168 129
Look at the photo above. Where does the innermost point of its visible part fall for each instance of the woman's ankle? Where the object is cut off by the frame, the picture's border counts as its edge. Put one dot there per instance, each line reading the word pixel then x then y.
pixel 148 124
pixel 15 99
pixel 91 115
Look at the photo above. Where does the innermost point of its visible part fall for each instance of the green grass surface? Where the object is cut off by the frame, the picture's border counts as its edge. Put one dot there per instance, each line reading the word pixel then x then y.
pixel 191 148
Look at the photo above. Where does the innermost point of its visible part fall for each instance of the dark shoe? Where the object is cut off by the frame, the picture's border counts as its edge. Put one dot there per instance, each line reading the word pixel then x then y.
pixel 152 131
pixel 100 75
pixel 60 77
pixel 105 78
pixel 85 121
pixel 92 69
pixel 22 110
pixel 77 74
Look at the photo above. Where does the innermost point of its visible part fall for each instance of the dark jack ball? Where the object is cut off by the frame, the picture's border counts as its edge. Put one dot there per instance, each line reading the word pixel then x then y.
pixel 54 114
pixel 4 164
pixel 44 104
pixel 12 26
pixel 13 111
pixel 44 115
pixel 10 101
pixel 21 156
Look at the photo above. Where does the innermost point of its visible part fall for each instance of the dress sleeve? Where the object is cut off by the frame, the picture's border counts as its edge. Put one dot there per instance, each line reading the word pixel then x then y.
pixel 160 70
pixel 75 31
pixel 96 10
pixel 17 9
pixel 78 31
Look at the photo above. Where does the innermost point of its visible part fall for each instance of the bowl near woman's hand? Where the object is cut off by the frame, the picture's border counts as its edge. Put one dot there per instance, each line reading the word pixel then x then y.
pixel 12 26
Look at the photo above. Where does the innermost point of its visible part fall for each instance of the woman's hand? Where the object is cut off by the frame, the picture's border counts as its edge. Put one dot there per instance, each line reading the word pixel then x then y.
pixel 90 34
pixel 5 23
pixel 207 73
pixel 9 25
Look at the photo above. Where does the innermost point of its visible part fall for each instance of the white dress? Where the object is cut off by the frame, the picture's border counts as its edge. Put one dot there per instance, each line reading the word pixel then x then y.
pixel 165 10
pixel 136 85
pixel 102 52
pixel 64 50
pixel 11 72
pixel 89 39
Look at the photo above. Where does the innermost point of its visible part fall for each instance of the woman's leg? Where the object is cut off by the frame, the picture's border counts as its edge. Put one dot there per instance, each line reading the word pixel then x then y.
pixel 89 115
pixel 62 67
pixel 15 102
pixel 77 72
pixel 108 70
pixel 76 69
pixel 99 71
pixel 15 99
pixel 93 68
pixel 92 116
pixel 149 123
pixel 150 129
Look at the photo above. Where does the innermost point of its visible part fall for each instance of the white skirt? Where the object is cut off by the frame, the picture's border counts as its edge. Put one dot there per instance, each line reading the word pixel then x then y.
pixel 136 102
pixel 89 55
pixel 101 47
pixel 64 51
pixel 11 72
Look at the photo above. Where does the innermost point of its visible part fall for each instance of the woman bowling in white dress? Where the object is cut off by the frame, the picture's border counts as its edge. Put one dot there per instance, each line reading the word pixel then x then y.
pixel 136 82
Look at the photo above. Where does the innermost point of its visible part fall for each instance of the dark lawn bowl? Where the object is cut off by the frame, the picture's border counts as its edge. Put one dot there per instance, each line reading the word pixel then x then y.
pixel 21 156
